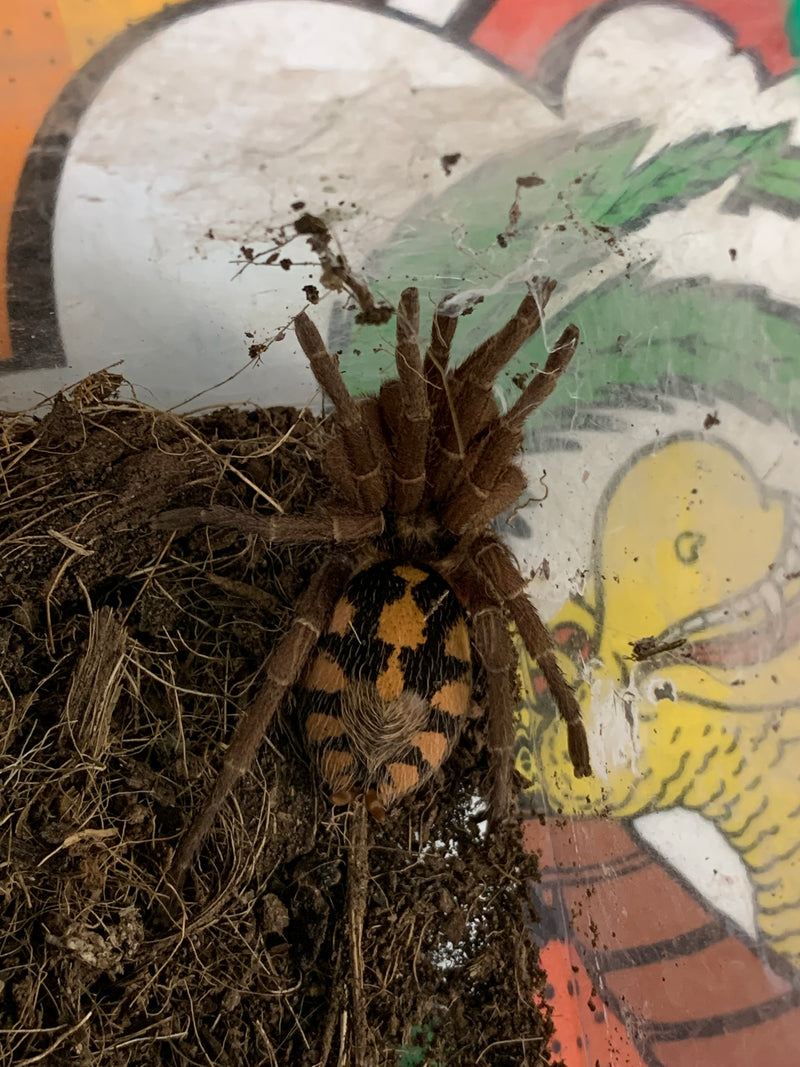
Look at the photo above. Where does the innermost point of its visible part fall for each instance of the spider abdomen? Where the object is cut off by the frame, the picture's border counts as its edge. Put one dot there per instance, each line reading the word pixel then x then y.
pixel 385 695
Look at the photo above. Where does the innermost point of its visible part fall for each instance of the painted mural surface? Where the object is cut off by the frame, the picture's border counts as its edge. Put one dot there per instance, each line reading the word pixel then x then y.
pixel 646 156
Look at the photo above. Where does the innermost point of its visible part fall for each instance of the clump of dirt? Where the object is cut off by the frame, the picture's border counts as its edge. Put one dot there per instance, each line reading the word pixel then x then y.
pixel 126 652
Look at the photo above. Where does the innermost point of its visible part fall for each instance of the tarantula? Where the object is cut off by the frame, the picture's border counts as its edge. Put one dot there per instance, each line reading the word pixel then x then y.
pixel 415 580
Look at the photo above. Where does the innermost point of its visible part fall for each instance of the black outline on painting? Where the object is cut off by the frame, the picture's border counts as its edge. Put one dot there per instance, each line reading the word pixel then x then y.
pixel 32 311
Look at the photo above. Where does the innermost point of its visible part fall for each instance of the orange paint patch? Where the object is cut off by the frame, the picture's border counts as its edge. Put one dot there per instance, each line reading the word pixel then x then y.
pixel 325 674
pixel 36 64
pixel 342 617
pixel 452 698
pixel 91 24
pixel 457 641
pixel 432 745
pixel 323 727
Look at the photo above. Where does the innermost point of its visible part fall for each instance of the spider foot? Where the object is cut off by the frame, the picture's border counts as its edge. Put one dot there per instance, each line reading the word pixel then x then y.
pixel 578 748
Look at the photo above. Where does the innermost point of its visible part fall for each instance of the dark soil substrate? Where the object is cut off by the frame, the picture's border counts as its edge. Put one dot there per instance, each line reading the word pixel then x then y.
pixel 126 652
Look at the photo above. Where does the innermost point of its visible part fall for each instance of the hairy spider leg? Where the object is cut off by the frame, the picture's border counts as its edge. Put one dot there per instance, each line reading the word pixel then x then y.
pixel 437 354
pixel 476 375
pixel 496 562
pixel 282 669
pixel 405 411
pixel 363 473
pixel 498 655
pixel 544 381
pixel 490 481
pixel 338 526
pixel 468 405
pixel 413 418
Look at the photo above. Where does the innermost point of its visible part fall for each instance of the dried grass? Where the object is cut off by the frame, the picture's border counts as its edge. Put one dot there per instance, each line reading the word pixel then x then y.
pixel 125 653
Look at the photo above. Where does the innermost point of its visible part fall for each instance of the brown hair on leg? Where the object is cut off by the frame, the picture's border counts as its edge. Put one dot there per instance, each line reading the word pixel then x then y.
pixel 469 406
pixel 441 402
pixel 377 433
pixel 483 365
pixel 491 464
pixel 497 654
pixel 476 376
pixel 499 567
pixel 505 492
pixel 407 409
pixel 333 525
pixel 339 472
pixel 367 471
pixel 282 670
pixel 437 355
pixel 503 440
pixel 545 381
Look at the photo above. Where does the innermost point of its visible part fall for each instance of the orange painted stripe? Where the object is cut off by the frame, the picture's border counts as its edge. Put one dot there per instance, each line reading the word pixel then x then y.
pixel 42 45
pixel 92 23
pixel 586 1030
pixel 35 65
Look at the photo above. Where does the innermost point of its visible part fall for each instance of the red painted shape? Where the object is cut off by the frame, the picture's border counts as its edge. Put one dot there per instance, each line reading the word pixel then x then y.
pixel 721 979
pixel 586 1030
pixel 518 33
pixel 621 924
pixel 759 28
pixel 773 1043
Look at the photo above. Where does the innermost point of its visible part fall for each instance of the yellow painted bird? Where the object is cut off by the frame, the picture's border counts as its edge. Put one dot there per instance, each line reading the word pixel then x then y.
pixel 685 654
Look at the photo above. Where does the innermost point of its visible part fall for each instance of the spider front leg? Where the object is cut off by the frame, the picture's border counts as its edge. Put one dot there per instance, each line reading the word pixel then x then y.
pixel 365 475
pixel 314 608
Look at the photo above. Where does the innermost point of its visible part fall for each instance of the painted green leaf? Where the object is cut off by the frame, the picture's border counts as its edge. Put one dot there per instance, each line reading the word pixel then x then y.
pixel 680 173
pixel 645 334
pixel 634 331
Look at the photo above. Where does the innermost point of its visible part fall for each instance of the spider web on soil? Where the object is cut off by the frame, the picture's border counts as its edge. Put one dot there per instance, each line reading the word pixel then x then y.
pixel 125 656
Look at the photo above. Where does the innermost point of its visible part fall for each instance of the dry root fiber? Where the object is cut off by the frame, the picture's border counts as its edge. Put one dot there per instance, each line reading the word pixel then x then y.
pixel 302 936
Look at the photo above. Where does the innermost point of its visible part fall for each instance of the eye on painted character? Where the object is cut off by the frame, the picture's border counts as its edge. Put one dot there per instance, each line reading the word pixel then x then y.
pixel 415 578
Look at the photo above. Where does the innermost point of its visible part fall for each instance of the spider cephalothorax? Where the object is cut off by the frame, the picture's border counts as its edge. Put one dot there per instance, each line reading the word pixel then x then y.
pixel 415 578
